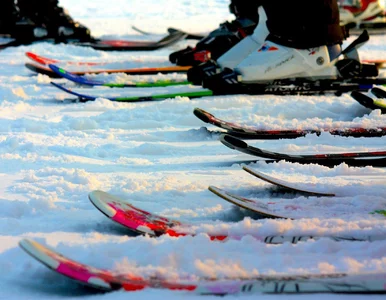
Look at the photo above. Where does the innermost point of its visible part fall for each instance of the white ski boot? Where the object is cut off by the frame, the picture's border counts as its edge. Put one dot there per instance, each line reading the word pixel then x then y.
pixel 272 61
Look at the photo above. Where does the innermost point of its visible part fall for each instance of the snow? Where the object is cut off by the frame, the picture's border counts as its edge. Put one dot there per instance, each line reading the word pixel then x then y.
pixel 161 158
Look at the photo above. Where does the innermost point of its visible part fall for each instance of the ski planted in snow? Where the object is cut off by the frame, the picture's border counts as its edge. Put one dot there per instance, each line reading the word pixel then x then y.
pixel 146 223
pixel 298 188
pixel 138 220
pixel 132 99
pixel 46 61
pixel 122 45
pixel 134 71
pixel 251 133
pixel 107 45
pixel 89 82
pixel 272 284
pixel 370 158
pixel 264 88
pixel 263 211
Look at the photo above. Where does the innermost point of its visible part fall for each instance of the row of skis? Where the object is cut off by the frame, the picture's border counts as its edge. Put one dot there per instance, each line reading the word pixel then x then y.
pixel 233 136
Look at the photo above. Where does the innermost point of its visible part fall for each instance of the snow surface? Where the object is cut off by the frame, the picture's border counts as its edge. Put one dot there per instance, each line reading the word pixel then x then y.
pixel 161 158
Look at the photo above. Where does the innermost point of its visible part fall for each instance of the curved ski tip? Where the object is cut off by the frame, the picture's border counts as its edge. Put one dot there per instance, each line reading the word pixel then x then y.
pixel 232 142
pixel 201 114
pixel 56 69
pixel 362 98
pixel 378 92
pixel 215 190
pixel 30 54
pixel 101 201
pixel 39 252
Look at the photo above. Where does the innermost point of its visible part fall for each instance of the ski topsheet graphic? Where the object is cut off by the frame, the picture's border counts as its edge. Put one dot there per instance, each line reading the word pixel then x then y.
pixel 287 283
pixel 370 158
pixel 251 133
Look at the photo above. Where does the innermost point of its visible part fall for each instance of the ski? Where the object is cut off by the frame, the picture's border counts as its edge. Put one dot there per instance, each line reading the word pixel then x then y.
pixel 146 223
pixel 255 206
pixel 268 89
pixel 137 220
pixel 122 45
pixel 46 61
pixel 135 71
pixel 83 97
pixel 287 185
pixel 272 284
pixel 369 102
pixel 251 133
pixel 377 158
pixel 380 63
pixel 89 82
pixel 263 211
pixel 108 45
pixel 378 92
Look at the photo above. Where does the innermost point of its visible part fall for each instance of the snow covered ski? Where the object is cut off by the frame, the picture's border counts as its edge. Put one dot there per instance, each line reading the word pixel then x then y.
pixel 46 60
pixel 81 80
pixel 298 188
pixel 108 45
pixel 134 71
pixel 272 284
pixel 261 208
pixel 146 223
pixel 131 99
pixel 264 88
pixel 370 158
pixel 122 45
pixel 252 133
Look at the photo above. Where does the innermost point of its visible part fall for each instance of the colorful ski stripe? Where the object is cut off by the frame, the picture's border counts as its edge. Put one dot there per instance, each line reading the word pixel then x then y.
pixel 84 81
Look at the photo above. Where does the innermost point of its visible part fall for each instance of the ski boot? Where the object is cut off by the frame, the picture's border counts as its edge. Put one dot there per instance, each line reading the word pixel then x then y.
pixel 233 56
pixel 215 44
pixel 278 65
pixel 14 25
pixel 47 15
pixel 222 39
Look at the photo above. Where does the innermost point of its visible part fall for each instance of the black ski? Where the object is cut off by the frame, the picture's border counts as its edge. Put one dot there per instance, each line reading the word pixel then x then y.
pixel 108 45
pixel 266 134
pixel 359 159
pixel 369 102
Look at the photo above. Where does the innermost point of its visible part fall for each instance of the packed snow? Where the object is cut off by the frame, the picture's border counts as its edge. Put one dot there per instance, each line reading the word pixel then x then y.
pixel 161 158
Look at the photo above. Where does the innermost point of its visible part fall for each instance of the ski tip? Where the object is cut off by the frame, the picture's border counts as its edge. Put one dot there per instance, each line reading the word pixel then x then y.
pixel 39 252
pixel 57 69
pixel 378 92
pixel 201 114
pixel 101 201
pixel 363 99
pixel 232 142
